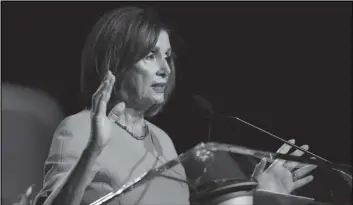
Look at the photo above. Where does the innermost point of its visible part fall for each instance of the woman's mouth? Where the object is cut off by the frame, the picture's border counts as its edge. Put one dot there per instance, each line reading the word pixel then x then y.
pixel 159 87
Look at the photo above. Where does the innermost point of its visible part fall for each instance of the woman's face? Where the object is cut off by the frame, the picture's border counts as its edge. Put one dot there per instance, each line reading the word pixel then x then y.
pixel 145 84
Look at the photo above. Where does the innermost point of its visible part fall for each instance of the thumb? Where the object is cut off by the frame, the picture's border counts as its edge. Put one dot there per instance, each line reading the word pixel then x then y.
pixel 29 191
pixel 117 111
pixel 259 168
pixel 25 198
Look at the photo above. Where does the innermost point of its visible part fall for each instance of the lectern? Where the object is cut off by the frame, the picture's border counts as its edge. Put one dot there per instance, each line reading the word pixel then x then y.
pixel 211 186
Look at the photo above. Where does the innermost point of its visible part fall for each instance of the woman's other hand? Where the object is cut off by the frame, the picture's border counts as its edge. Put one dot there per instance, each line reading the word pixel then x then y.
pixel 26 198
pixel 280 176
pixel 100 124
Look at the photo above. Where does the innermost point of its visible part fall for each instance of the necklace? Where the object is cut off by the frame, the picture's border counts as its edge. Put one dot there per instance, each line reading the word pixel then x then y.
pixel 146 131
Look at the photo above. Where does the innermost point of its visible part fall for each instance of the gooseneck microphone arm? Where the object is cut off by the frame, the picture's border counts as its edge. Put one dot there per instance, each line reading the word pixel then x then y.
pixel 284 141
pixel 209 113
pixel 345 175
pixel 206 110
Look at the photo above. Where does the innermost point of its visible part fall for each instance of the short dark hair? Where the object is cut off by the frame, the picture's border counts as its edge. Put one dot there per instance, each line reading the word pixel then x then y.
pixel 117 41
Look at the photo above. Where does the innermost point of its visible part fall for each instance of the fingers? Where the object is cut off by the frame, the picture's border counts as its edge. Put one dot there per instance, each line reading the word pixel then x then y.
pixel 292 165
pixel 303 171
pixel 259 168
pixel 101 97
pixel 284 149
pixel 110 87
pixel 29 190
pixel 299 152
pixel 97 99
pixel 302 182
pixel 24 199
pixel 117 111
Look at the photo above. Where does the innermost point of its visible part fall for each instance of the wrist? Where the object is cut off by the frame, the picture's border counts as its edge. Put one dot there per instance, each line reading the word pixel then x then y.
pixel 94 148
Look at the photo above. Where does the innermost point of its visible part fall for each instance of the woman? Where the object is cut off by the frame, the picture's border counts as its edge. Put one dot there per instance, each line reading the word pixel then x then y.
pixel 96 151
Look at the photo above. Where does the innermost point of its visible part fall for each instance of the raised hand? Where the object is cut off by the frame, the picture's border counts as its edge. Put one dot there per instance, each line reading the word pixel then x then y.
pixel 26 198
pixel 278 177
pixel 100 123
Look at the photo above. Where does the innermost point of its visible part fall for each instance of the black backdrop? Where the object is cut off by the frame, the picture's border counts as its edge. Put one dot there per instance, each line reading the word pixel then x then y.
pixel 282 66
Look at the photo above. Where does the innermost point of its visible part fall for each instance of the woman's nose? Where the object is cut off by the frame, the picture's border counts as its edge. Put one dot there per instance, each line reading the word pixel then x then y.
pixel 164 69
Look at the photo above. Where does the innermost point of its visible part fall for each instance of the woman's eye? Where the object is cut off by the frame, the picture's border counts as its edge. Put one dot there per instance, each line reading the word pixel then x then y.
pixel 151 56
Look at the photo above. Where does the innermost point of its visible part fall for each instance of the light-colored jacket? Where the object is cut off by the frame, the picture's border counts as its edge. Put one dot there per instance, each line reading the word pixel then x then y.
pixel 122 160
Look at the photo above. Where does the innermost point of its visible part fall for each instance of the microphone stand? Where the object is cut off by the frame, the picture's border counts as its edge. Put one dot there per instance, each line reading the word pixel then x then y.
pixel 209 131
pixel 347 177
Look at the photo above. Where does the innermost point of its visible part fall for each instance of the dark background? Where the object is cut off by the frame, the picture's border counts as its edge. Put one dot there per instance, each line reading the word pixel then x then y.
pixel 282 66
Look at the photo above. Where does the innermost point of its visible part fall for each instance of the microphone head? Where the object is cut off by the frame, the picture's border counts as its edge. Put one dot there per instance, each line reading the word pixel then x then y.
pixel 203 105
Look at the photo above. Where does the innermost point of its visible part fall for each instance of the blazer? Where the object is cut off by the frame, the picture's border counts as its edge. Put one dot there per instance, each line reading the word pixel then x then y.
pixel 122 160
